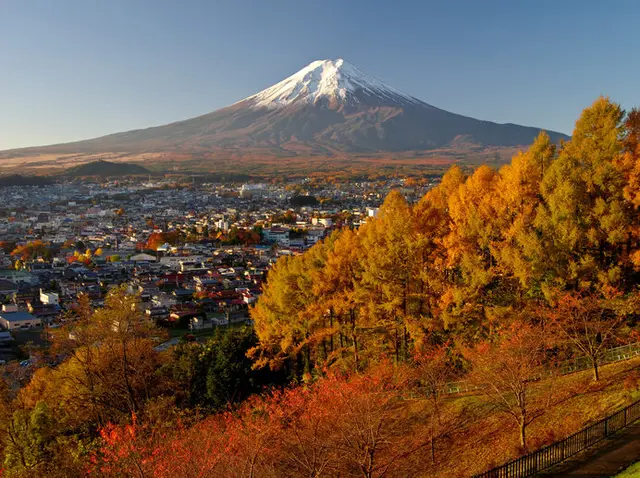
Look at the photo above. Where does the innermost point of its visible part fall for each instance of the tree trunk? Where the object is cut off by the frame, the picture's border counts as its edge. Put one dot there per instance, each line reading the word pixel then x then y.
pixel 433 441
pixel 125 375
pixel 523 435
pixel 331 325
pixel 356 358
pixel 397 344
pixel 596 372
pixel 355 338
pixel 406 342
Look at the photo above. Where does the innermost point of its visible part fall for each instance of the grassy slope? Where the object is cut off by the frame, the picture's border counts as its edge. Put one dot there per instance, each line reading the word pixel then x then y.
pixel 489 439
pixel 632 472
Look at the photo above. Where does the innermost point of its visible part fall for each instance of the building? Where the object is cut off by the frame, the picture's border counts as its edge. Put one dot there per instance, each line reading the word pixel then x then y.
pixel 373 211
pixel 222 225
pixel 19 320
pixel 252 190
pixel 277 235
pixel 322 221
pixel 49 298
pixel 175 262
pixel 143 258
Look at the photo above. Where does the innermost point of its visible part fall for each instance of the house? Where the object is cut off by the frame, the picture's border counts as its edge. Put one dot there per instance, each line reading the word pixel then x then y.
pixel 322 221
pixel 277 235
pixel 143 258
pixel 8 287
pixel 49 298
pixel 19 320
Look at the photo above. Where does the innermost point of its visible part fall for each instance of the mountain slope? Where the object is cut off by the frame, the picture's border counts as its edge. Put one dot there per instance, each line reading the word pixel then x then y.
pixel 327 107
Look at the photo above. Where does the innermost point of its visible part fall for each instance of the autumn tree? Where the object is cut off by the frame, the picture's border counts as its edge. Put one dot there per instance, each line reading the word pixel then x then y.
pixel 506 371
pixel 591 322
pixel 519 250
pixel 584 218
pixel 433 371
pixel 389 287
pixel 284 318
pixel 629 165
pixel 337 287
pixel 30 441
pixel 110 369
pixel 30 250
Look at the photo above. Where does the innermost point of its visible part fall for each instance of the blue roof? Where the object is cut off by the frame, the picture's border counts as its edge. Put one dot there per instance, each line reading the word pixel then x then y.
pixel 16 316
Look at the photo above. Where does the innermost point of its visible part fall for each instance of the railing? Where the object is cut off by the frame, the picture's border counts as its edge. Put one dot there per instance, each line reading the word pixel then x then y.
pixel 550 455
pixel 617 354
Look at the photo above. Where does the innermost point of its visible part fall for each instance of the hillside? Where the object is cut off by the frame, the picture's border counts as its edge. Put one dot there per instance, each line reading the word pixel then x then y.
pixel 105 169
pixel 20 180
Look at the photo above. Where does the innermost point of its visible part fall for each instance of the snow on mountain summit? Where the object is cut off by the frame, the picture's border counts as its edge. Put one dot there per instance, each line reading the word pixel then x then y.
pixel 334 80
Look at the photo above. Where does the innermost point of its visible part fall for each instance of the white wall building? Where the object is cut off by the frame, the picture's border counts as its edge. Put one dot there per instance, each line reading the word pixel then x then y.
pixel 373 211
pixel 50 298
pixel 19 320
pixel 277 235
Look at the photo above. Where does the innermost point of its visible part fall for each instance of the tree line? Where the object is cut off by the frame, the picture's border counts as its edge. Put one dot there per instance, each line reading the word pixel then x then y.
pixel 552 237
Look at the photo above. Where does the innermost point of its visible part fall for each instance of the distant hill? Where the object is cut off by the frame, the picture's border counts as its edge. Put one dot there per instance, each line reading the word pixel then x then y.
pixel 19 180
pixel 105 169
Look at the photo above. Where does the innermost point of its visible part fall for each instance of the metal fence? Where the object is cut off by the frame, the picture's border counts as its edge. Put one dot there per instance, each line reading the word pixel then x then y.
pixel 559 451
pixel 617 354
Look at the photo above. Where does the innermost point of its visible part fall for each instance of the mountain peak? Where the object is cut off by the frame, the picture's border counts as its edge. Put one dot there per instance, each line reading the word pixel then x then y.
pixel 328 107
pixel 336 81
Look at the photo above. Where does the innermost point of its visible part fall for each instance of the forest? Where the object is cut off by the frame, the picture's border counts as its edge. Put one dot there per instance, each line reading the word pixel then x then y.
pixel 495 280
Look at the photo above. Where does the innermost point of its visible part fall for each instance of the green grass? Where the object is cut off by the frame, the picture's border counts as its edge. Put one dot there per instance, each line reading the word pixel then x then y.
pixel 632 472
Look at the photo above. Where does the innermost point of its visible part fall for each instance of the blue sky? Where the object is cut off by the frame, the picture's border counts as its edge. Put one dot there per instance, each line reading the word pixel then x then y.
pixel 75 69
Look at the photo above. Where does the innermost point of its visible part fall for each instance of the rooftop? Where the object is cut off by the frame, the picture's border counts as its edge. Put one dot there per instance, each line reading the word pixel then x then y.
pixel 17 316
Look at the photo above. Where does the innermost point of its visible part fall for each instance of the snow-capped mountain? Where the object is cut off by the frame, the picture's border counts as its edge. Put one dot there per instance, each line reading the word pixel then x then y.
pixel 332 81
pixel 329 107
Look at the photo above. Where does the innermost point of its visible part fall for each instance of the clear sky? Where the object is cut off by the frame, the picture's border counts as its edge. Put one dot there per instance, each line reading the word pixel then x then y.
pixel 76 69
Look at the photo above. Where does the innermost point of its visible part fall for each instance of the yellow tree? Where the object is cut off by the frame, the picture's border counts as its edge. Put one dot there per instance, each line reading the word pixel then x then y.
pixel 110 370
pixel 284 316
pixel 337 287
pixel 629 164
pixel 473 232
pixel 520 251
pixel 387 273
pixel 584 219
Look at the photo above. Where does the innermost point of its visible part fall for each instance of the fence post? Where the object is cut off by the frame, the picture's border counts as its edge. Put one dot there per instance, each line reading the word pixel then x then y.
pixel 626 409
pixel 606 427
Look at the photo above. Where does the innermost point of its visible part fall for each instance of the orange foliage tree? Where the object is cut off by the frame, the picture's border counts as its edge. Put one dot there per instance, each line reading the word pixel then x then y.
pixel 337 427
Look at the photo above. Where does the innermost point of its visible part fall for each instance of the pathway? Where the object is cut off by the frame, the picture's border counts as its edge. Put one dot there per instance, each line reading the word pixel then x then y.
pixel 604 459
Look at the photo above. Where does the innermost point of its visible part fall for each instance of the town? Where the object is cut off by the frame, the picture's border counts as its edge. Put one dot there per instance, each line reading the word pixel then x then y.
pixel 196 253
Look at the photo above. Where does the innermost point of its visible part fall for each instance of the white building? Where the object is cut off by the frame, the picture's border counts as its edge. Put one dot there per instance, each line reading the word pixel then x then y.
pixel 322 221
pixel 222 225
pixel 277 235
pixel 373 211
pixel 252 190
pixel 314 234
pixel 19 320
pixel 175 262
pixel 50 298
